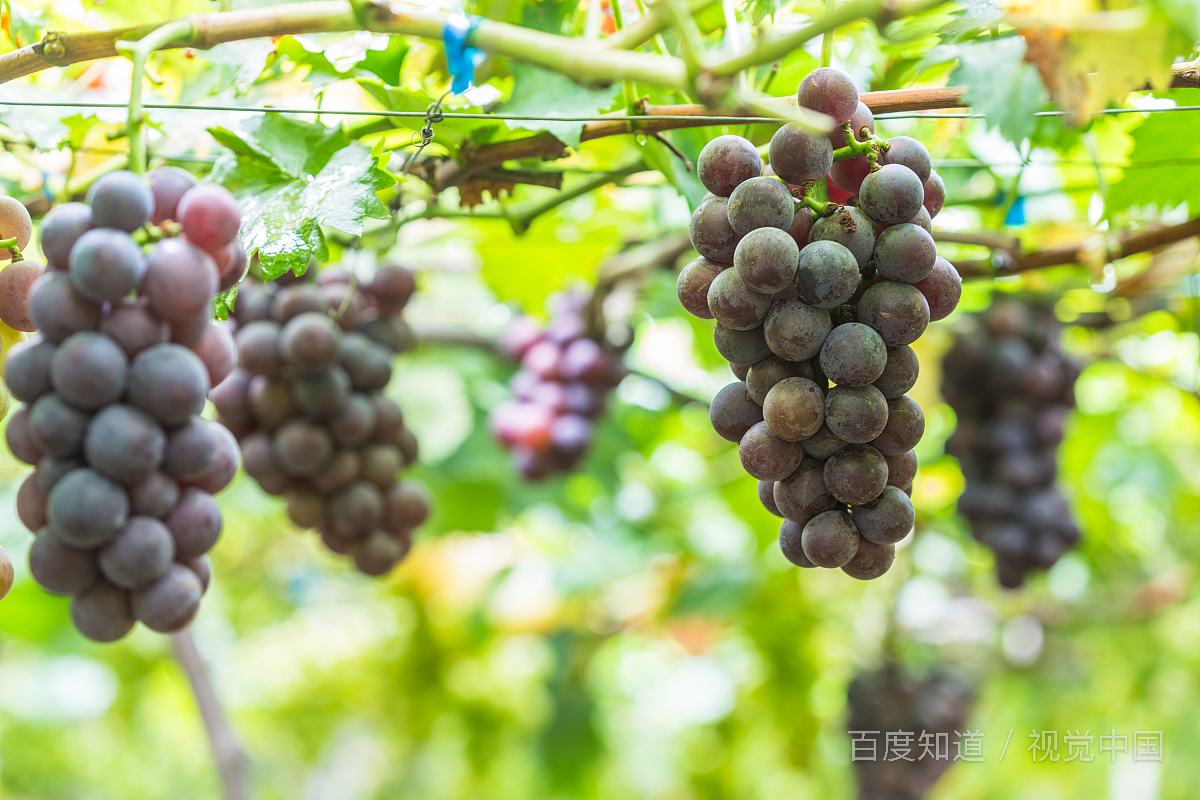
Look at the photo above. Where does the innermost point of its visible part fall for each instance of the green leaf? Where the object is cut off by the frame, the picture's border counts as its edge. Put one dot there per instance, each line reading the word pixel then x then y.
pixel 971 17
pixel 223 303
pixel 1000 85
pixel 1160 143
pixel 541 93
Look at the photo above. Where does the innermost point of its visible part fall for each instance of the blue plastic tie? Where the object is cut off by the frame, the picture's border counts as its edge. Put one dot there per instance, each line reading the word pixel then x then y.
pixel 1016 212
pixel 461 60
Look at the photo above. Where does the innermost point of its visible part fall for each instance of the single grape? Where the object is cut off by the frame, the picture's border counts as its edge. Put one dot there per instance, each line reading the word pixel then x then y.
pixel 195 524
pixel 27 369
pixel 209 215
pixel 766 496
pixel 57 310
pixel 765 374
pixel 830 539
pixel 584 360
pixel 102 612
pixel 140 553
pixel 795 330
pixel 798 155
pixel 56 427
pixel 900 373
pixel 711 232
pixel 169 382
pixel 766 456
pixel 171 602
pixel 180 279
pixel 191 450
pixel 89 370
pixel 392 286
pixel 51 470
pixel 741 347
pixel 905 426
pixel 61 228
pixel 124 444
pixel 168 185
pixel 827 274
pixel 887 519
pixel 871 561
pixel 862 118
pixel 190 329
pixel 356 510
pixel 60 569
pixel 908 152
pixel 897 311
pixel 341 472
pixel 942 289
pixel 305 508
pixel 218 351
pixel 801 229
pixel 106 264
pixel 405 507
pixel 132 325
pixel 259 463
pixel 849 174
pixel 693 284
pixel 324 394
pixel 309 341
pixel 16 282
pixel 856 475
pixel 258 347
pixel 830 91
pixel 121 200
pixel 735 305
pixel 300 448
pixel 85 509
pixel 853 355
pixel 31 503
pixel 221 471
pixel 905 253
pixel 19 435
pixel 7 576
pixel 855 414
pixel 153 497
pixel 790 534
pixel 891 195
pixel 356 422
pixel 901 469
pixel 850 228
pixel 727 161
pixel 760 203
pixel 794 409
pixel 392 333
pixel 823 443
pixel 935 194
pixel 923 220
pixel 378 553
pixel 765 260
pixel 382 462
pixel 732 412
pixel 15 222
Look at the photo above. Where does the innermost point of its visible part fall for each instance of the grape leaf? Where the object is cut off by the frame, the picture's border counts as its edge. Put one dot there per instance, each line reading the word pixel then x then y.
pixel 1155 175
pixel 541 93
pixel 971 17
pixel 1000 85
pixel 293 177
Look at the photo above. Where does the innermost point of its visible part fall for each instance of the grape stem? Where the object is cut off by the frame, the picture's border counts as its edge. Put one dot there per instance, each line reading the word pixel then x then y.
pixel 11 246
pixel 818 208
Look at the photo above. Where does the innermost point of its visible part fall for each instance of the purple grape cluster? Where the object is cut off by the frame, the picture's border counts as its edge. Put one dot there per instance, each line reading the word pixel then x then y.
pixel 113 383
pixel 307 404
pixel 560 389
pixel 816 312
pixel 932 709
pixel 1011 386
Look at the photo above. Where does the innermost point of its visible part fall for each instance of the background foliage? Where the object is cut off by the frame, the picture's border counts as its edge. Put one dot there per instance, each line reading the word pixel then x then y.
pixel 632 630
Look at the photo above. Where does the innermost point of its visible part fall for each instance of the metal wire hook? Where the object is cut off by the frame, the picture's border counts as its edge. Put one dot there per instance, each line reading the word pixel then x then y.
pixel 433 114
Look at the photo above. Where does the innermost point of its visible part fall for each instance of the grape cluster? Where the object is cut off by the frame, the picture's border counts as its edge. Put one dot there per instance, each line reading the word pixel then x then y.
pixel 891 700
pixel 1011 386
pixel 816 306
pixel 113 383
pixel 307 405
pixel 561 387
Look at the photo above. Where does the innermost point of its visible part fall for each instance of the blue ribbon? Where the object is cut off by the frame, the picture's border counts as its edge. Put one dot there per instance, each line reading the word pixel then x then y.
pixel 1016 212
pixel 461 60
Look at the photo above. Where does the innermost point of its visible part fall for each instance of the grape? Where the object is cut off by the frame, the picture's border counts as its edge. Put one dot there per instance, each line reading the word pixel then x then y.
pixel 27 369
pixel 542 360
pixel 258 348
pixel 905 253
pixel 856 475
pixel 871 561
pixel 209 215
pixel 766 456
pixel 195 524
pixel 790 534
pixel 218 351
pixel 7 576
pixel 153 497
pixel 823 443
pixel 295 300
pixel 16 282
pixel 21 440
pixel 105 264
pixel 830 539
pixel 305 508
pixel 734 305
pixel 899 373
pixel 766 260
pixel 901 469
pixel 935 194
pixel 270 401
pixel 850 228
pixel 392 287
pixel 31 503
pixel 862 118
pixel 168 185
pixel 770 371
pixel 760 203
pixel 766 496
pixel 923 220
pixel 849 174
pixel 378 553
pixel 356 510
pixel 711 233
pixel 891 195
pixel 406 506
pixel 61 228
pixel 169 382
pixel 942 289
pixel 124 444
pixel 85 509
pixel 253 303
pixel 830 91
pixel 259 463
pixel 887 519
pixel 60 569
pixel 102 612
pixel 827 274
pixel 795 330
pixel 908 152
pixel 897 311
pixel 191 450
pixel 51 470
pixel 55 427
pixel 322 395
pixel 89 370
pixel 584 360
pixel 794 409
pixel 801 227
pixel 741 347
pixel 301 449
pixel 368 364
pixel 382 462
pixel 180 279
pixel 853 355
pixel 222 469
pixel 905 426
pixel 356 422
pixel 802 495
pixel 855 414
pixel 139 554
pixel 798 155
pixel 57 310
pixel 15 222
pixel 309 340
pixel 202 567
pixel 570 435
pixel 341 472
pixel 733 412
pixel 133 326
pixel 171 602
pixel 121 200
pixel 727 161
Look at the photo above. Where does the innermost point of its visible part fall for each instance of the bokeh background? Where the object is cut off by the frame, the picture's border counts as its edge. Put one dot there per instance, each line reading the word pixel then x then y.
pixel 632 630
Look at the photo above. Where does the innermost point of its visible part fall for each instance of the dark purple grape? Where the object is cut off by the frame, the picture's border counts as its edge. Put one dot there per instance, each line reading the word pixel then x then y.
pixel 801 229
pixel 905 426
pixel 823 443
pixel 830 539
pixel 218 351
pixel 766 456
pixel 392 287
pixel 853 355
pixel 51 470
pixel 850 228
pixel 830 91
pixel 305 508
pixel 85 509
pixel 570 435
pixel 89 370
pixel 58 568
pixel 31 503
pixel 253 303
pixel 309 341
pixel 887 519
pixel 195 524
pixel 901 469
pixel 168 185
pixel 106 264
pixel 802 495
pixel 300 448
pixel 897 311
pixel 269 401
pixel 795 330
pixel 356 510
pixel 367 363
pixel 892 194
pixel 735 305
pixel 766 260
pixel 760 203
pixel 798 155
pixel 221 471
pixel 153 497
pixel 27 369
pixel 770 371
pixel 61 228
pixel 209 215
pixel 899 373
pixel 711 233
pixel 378 553
pixel 191 450
pixel 180 279
pixel 171 602
pixel 905 253
pixel 57 310
pixel 856 475
pixel 741 347
pixel 794 409
pixel 855 414
pixel 871 561
pixel 124 444
pixel 392 333
pixel 102 612
pixel 140 553
pixel 122 200
pixel 356 422
pixel 382 462
pixel 55 428
pixel 324 394
pixel 259 463
pixel 827 274
pixel 935 194
pixel 908 152
pixel 727 161
pixel 294 300
pixel 766 496
pixel 732 412
pixel 405 507
pixel 862 118
pixel 169 382
pixel 942 289
pixel 132 325
pixel 790 534
pixel 923 220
